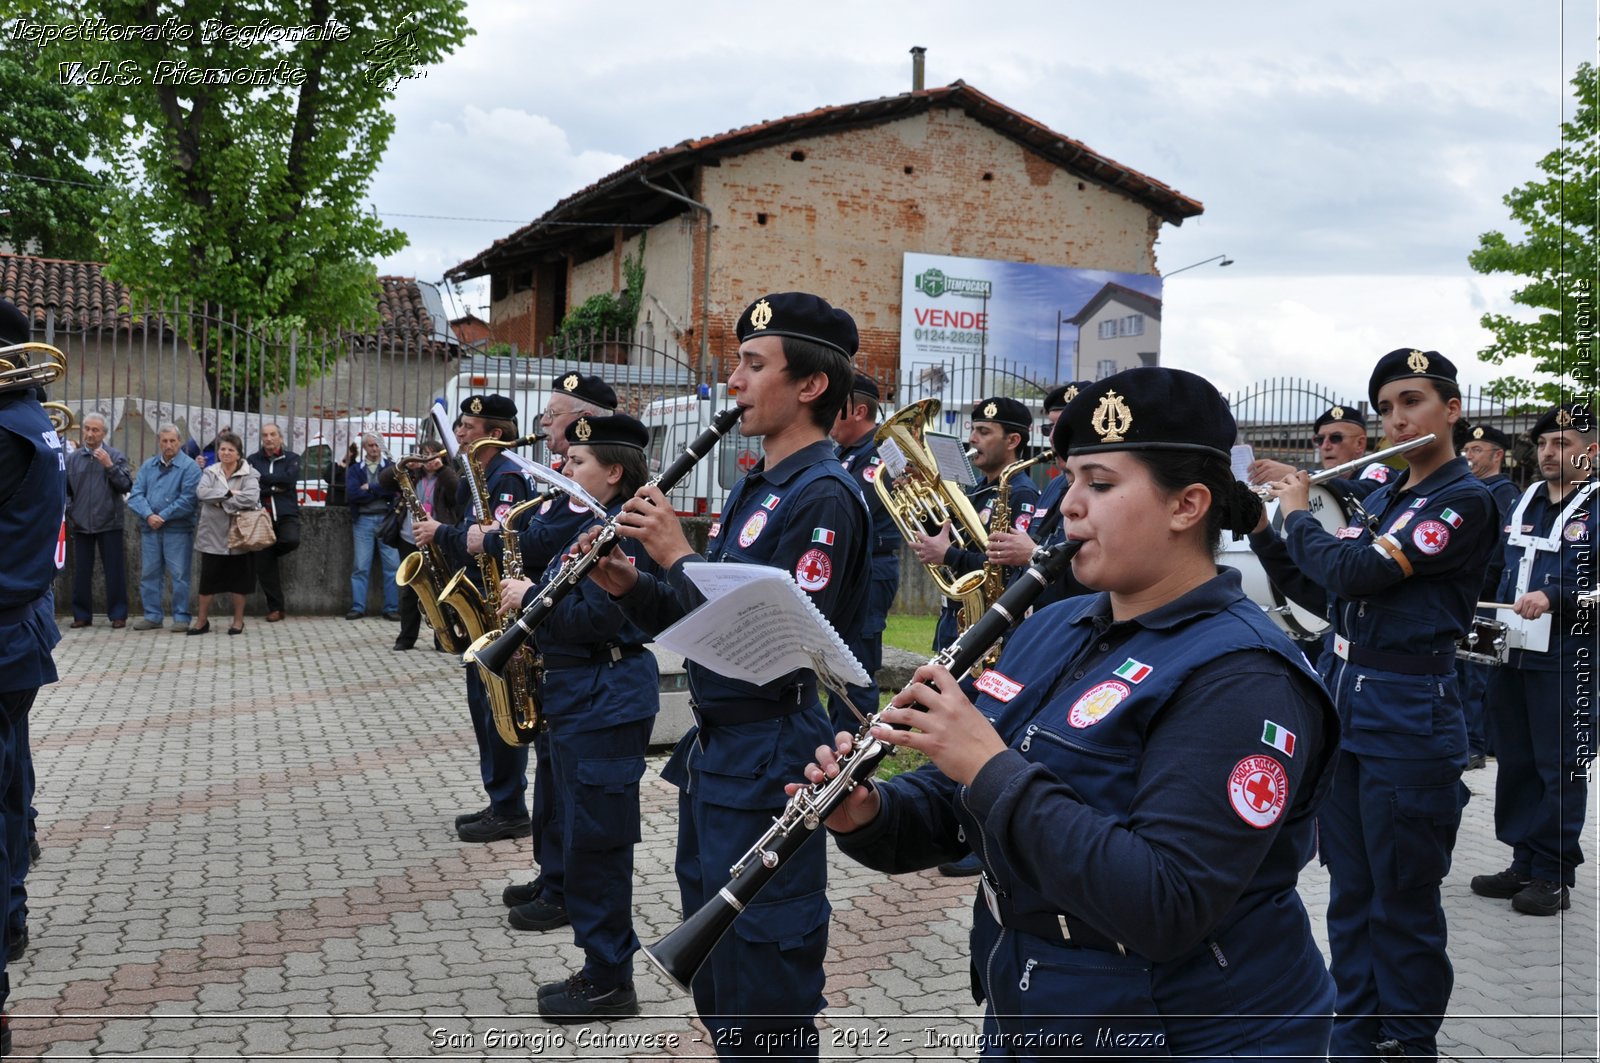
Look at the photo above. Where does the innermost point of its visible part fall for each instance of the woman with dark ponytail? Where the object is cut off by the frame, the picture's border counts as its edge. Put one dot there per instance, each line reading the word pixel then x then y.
pixel 1143 798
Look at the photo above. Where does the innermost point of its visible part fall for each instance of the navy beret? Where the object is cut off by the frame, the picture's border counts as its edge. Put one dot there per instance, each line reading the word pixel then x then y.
pixel 865 385
pixel 1002 410
pixel 588 388
pixel 14 324
pixel 1356 415
pixel 1577 416
pixel 803 316
pixel 497 407
pixel 1407 362
pixel 1493 436
pixel 1149 408
pixel 1058 397
pixel 616 428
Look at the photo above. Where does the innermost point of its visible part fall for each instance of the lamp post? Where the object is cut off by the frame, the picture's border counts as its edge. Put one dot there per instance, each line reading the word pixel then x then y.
pixel 1226 261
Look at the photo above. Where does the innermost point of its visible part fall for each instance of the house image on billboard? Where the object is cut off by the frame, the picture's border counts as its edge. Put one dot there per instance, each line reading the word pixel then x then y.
pixel 1118 328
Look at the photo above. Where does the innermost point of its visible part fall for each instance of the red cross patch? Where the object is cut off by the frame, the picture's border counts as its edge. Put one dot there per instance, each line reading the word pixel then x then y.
pixel 1258 789
pixel 1431 536
pixel 813 570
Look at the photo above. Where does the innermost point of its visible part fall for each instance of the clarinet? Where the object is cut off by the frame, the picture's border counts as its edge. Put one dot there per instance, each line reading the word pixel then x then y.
pixel 495 656
pixel 682 952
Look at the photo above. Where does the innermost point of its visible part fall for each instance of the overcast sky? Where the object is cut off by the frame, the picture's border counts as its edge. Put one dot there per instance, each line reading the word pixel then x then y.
pixel 1348 154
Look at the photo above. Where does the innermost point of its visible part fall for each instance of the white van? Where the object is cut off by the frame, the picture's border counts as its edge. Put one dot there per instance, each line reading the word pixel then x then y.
pixel 528 388
pixel 674 424
pixel 318 484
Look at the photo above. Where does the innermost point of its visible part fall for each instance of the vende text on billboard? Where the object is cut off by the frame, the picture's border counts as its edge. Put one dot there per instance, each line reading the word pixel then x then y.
pixel 928 317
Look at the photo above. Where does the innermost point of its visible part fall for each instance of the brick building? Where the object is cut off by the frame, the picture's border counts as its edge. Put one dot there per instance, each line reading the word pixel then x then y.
pixel 826 201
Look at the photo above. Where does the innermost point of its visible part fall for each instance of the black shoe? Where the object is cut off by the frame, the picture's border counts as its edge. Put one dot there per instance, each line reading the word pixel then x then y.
pixel 515 895
pixel 963 868
pixel 472 817
pixel 537 915
pixel 354 614
pixel 1502 885
pixel 404 643
pixel 203 629
pixel 34 852
pixel 492 827
pixel 1476 761
pixel 395 617
pixel 1542 897
pixel 579 1000
pixel 19 945
pixel 552 988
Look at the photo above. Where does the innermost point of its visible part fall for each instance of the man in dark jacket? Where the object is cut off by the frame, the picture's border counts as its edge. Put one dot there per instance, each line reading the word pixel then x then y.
pixel 279 470
pixel 98 476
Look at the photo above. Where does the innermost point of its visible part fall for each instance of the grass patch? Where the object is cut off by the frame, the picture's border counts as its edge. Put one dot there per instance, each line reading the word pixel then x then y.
pixel 914 633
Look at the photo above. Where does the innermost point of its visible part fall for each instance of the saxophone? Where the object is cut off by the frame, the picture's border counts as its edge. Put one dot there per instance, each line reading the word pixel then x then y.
pixel 480 615
pixel 424 572
pixel 516 713
pixel 988 590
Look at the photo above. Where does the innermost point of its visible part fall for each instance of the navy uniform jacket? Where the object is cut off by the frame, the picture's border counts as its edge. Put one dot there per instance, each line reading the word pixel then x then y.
pixel 861 461
pixel 505 486
pixel 1024 500
pixel 1159 792
pixel 1561 564
pixel 1396 622
pixel 598 672
pixel 31 515
pixel 1505 493
pixel 1361 485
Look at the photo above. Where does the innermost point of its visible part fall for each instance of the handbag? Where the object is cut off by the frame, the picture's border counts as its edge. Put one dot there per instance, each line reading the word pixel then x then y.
pixel 389 530
pixel 250 530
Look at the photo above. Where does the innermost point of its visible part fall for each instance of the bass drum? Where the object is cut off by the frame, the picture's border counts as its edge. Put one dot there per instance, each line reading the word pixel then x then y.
pixel 1296 620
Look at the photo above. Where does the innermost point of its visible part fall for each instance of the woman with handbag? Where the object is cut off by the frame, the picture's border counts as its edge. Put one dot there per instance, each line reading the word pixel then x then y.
pixel 228 487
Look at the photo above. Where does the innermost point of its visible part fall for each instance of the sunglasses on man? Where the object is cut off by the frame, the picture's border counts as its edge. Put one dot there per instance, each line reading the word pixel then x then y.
pixel 1332 437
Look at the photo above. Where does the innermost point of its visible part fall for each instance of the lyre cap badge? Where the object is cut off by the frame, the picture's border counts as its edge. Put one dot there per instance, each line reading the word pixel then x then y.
pixel 1477 433
pixel 1070 394
pixel 1112 418
pixel 583 430
pixel 761 316
pixel 1417 362
pixel 570 382
pixel 476 406
pixel 1563 418
pixel 1338 413
pixel 990 410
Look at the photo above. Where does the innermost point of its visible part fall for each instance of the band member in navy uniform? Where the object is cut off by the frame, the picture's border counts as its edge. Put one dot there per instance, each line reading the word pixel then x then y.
pixel 797 510
pixel 540 904
pixel 504 768
pixel 1144 798
pixel 1000 429
pixel 599 697
pixel 1400 591
pixel 853 431
pixel 1340 436
pixel 1485 450
pixel 1013 548
pixel 1541 790
pixel 33 504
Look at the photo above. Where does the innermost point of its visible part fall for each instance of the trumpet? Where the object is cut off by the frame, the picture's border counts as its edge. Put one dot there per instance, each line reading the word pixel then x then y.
pixel 1265 490
pixel 493 657
pixel 682 952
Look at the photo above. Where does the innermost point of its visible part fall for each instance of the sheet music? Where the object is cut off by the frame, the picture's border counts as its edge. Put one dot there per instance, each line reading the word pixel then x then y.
pixel 894 459
pixel 447 435
pixel 950 455
pixel 1240 458
pixel 544 474
pixel 757 625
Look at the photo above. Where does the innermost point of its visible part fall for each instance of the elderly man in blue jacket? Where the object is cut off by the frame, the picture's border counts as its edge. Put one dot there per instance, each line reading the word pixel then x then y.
pixel 164 499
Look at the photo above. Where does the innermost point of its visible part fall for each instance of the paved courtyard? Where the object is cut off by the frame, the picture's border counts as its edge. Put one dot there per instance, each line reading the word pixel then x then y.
pixel 248 853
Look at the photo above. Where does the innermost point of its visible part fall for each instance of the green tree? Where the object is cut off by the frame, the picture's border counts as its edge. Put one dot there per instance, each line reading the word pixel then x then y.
pixel 249 133
pixel 1558 256
pixel 54 204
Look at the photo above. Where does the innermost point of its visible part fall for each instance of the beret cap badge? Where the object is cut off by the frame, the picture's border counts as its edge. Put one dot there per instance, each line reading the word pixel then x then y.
pixel 761 316
pixel 1563 418
pixel 990 410
pixel 476 406
pixel 583 430
pixel 1111 418
pixel 1338 412
pixel 1417 362
pixel 1071 393
pixel 570 382
pixel 1477 433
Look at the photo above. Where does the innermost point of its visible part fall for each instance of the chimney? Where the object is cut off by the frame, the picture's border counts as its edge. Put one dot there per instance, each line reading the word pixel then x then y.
pixel 917 54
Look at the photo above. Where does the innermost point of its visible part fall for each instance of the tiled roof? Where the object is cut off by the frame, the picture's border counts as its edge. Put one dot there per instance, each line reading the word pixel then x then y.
pixel 1070 154
pixel 84 298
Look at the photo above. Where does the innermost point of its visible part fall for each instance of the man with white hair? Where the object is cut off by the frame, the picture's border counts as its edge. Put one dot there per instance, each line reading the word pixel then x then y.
pixel 369 503
pixel 98 476
pixel 164 500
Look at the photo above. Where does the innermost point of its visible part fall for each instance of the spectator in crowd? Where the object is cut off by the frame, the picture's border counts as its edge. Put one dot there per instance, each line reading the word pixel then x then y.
pixel 163 497
pixel 98 476
pixel 434 482
pixel 227 487
pixel 369 504
pixel 279 471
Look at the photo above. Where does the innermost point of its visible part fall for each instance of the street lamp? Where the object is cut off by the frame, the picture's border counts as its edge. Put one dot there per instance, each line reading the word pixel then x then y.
pixel 1226 261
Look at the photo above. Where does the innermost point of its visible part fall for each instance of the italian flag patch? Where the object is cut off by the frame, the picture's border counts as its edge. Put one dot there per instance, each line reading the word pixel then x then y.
pixel 770 502
pixel 822 535
pixel 1279 738
pixel 1133 671
pixel 1451 517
